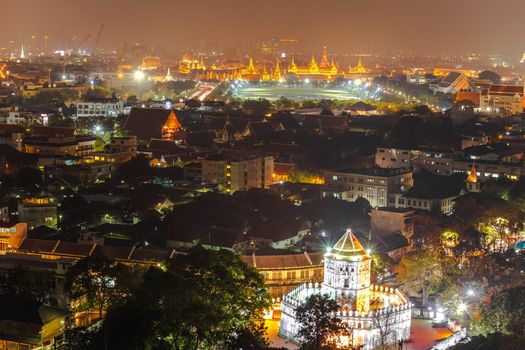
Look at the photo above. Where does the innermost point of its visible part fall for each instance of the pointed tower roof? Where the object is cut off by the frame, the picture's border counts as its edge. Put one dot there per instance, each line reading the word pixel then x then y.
pixel 168 76
pixel 313 67
pixel 324 60
pixel 472 176
pixel 277 72
pixel 292 68
pixel 348 248
pixel 22 53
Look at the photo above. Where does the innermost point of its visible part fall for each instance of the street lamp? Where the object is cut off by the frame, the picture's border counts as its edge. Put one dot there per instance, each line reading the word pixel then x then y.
pixel 138 75
pixel 462 307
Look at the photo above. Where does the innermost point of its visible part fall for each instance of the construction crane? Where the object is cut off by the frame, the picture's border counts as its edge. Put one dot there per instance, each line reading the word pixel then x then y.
pixel 98 39
pixel 82 42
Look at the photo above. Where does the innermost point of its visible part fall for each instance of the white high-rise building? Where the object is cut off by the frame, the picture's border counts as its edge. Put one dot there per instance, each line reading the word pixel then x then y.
pixel 373 314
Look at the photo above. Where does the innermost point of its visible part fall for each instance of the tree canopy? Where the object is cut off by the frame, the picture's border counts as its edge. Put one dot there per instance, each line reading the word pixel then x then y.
pixel 318 327
pixel 201 300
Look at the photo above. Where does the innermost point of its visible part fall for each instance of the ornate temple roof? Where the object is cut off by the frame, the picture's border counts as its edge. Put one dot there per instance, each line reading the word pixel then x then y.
pixel 348 248
pixel 472 176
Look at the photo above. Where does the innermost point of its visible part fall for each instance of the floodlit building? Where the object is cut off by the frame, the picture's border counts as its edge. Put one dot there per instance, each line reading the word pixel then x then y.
pixel 453 83
pixel 502 98
pixel 415 158
pixel 28 324
pixel 38 212
pixel 238 173
pixel 11 235
pixel 372 314
pixel 50 140
pixel 283 272
pixel 107 107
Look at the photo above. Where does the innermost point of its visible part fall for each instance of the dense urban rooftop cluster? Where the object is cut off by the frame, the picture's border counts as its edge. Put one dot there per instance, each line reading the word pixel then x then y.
pixel 120 173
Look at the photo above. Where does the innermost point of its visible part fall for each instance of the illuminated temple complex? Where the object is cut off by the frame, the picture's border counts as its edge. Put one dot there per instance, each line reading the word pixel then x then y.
pixel 372 314
pixel 278 71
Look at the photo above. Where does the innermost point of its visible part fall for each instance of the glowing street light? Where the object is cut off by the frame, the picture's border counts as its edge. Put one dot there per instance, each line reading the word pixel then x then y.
pixel 462 307
pixel 139 75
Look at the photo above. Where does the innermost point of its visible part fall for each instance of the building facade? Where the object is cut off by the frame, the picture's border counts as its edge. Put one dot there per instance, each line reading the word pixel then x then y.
pixel 372 315
pixel 377 185
pixel 121 149
pixel 437 161
pixel 38 212
pixel 497 98
pixel 100 108
pixel 238 173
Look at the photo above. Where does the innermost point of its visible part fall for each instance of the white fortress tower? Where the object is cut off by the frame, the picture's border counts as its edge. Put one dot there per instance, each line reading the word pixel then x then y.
pixel 347 272
pixel 370 312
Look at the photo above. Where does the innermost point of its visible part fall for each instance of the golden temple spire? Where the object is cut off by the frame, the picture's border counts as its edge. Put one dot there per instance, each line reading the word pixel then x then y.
pixel 277 71
pixel 333 68
pixel 324 60
pixel 168 76
pixel 292 68
pixel 359 63
pixel 265 76
pixel 314 68
pixel 251 68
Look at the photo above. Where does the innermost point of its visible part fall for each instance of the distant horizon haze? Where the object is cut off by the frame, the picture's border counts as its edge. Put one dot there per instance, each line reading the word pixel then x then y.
pixel 377 26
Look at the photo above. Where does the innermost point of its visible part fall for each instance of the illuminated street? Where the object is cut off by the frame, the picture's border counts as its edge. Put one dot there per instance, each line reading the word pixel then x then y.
pixel 423 336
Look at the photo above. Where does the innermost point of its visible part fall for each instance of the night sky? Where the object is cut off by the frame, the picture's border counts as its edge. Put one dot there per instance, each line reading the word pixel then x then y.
pixel 342 25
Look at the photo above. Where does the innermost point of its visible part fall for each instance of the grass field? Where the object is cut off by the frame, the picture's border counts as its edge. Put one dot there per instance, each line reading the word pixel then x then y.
pixel 294 93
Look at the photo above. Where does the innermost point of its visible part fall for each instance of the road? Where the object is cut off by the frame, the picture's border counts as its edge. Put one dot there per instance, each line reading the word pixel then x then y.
pixel 423 336
pixel 204 90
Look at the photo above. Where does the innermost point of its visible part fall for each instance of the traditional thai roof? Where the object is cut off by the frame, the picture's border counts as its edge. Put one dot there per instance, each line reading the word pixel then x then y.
pixel 361 106
pixel 348 248
pixel 472 176
pixel 283 260
pixel 505 89
pixel 148 123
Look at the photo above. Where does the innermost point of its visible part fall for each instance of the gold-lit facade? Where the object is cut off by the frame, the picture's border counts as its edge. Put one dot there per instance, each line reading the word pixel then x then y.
pixel 277 71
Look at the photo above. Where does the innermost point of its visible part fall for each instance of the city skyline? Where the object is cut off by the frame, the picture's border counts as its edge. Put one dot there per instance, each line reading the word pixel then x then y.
pixel 373 26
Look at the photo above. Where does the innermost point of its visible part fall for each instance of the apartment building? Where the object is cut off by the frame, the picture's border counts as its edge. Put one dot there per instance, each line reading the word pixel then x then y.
pixel 437 161
pixel 377 185
pixel 238 172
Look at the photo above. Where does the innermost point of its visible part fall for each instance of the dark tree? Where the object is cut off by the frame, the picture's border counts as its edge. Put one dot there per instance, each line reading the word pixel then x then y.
pixel 260 106
pixel 29 178
pixel 505 313
pixel 134 168
pixel 317 326
pixel 97 283
pixel 203 300
pixel 495 78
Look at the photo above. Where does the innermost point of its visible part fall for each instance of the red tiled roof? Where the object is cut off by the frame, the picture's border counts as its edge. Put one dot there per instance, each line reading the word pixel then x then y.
pixel 290 261
pixel 11 128
pixel 506 89
pixel 51 131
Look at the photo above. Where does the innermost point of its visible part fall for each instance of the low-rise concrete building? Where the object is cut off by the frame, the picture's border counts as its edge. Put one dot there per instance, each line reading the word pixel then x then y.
pixel 377 185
